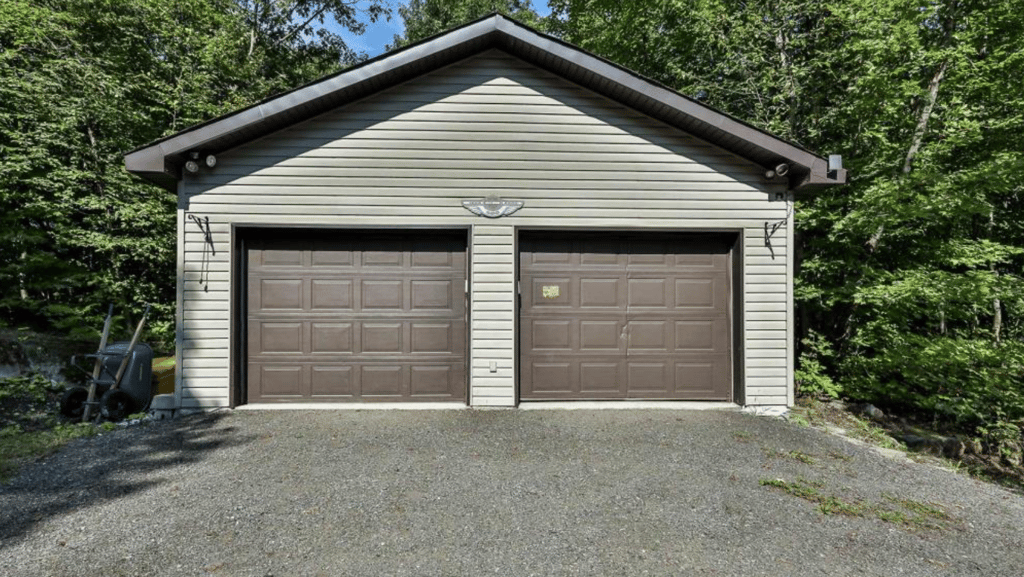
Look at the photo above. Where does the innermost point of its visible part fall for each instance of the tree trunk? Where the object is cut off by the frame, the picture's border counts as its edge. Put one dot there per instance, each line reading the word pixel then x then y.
pixel 787 65
pixel 926 114
pixel 21 278
pixel 915 144
pixel 997 305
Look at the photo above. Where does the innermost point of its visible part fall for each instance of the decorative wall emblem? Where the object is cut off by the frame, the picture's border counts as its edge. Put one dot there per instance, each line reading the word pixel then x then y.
pixel 492 206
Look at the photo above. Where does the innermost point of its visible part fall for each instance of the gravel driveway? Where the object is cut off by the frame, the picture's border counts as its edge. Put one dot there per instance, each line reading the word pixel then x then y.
pixel 494 493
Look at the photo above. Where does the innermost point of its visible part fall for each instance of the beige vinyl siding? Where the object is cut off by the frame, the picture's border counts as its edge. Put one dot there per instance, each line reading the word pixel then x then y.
pixel 492 327
pixel 490 125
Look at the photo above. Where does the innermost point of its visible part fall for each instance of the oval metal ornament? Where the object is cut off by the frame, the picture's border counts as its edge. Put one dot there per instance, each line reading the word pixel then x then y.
pixel 492 206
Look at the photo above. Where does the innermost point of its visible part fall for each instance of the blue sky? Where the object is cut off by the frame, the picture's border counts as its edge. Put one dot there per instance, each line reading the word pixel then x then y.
pixel 381 33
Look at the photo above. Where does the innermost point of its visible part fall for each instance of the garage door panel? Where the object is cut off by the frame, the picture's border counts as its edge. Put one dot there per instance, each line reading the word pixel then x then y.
pixel 432 337
pixel 331 337
pixel 551 334
pixel 323 256
pixel 649 378
pixel 649 336
pixel 428 380
pixel 551 378
pixel 278 293
pixel 625 316
pixel 551 292
pixel 602 335
pixel 600 291
pixel 381 294
pixel 356 317
pixel 281 337
pixel 277 380
pixel 431 294
pixel 382 338
pixel 601 378
pixel 332 382
pixel 647 293
pixel 331 294
pixel 381 381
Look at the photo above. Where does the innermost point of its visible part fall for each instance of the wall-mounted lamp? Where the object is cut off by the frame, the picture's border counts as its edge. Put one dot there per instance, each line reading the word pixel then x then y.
pixel 780 170
pixel 192 164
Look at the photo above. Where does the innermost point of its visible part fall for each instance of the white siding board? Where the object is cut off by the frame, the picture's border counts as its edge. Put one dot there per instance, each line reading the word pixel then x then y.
pixel 195 363
pixel 193 333
pixel 484 401
pixel 193 315
pixel 408 156
pixel 221 353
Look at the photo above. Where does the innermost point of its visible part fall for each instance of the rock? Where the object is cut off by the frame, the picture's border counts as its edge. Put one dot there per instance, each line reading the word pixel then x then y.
pixel 918 443
pixel 871 411
pixel 837 405
pixel 953 448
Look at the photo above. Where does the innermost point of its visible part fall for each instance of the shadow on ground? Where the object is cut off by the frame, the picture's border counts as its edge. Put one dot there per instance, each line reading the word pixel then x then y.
pixel 93 471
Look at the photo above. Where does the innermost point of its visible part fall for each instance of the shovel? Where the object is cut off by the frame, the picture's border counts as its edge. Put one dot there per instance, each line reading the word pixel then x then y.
pixel 89 401
pixel 127 354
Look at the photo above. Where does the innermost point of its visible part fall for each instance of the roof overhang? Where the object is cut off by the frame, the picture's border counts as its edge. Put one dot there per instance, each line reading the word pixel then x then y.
pixel 161 161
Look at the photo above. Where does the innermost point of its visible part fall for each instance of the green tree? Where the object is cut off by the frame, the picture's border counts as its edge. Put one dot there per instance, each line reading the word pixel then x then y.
pixel 912 274
pixel 84 81
pixel 425 18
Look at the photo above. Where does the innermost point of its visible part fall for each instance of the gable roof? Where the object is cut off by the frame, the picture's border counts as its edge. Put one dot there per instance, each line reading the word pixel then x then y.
pixel 161 161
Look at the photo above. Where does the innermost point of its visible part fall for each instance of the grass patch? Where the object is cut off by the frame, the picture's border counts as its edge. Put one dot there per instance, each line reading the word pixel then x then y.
pixel 905 513
pixel 742 436
pixel 799 420
pixel 18 447
pixel 802 457
pixel 805 458
pixel 833 505
pixel 795 488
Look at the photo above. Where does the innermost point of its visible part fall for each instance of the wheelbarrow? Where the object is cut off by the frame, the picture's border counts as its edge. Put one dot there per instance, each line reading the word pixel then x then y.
pixel 134 393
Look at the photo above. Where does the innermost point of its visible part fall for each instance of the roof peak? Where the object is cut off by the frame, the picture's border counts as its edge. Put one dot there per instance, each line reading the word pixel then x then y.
pixel 161 161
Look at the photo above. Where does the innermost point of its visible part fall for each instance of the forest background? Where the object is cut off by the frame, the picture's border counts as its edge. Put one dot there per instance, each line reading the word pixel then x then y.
pixel 909 286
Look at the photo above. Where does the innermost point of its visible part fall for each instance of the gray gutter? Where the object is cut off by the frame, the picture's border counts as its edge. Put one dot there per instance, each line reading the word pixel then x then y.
pixel 161 161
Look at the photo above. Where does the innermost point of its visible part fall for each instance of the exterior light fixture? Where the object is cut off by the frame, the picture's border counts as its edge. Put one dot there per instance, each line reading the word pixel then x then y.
pixel 193 163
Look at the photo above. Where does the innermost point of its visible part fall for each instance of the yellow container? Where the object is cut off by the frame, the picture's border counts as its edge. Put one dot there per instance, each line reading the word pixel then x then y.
pixel 163 375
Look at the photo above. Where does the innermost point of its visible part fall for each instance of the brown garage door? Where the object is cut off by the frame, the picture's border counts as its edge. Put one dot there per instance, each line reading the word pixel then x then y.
pixel 356 317
pixel 608 316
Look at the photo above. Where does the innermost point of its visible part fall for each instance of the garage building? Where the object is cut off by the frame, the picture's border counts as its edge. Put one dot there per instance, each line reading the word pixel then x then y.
pixel 486 218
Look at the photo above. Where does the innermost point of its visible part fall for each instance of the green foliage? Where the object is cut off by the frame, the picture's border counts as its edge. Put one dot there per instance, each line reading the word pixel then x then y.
pixel 84 81
pixel 911 277
pixel 31 389
pixel 811 376
pixel 425 18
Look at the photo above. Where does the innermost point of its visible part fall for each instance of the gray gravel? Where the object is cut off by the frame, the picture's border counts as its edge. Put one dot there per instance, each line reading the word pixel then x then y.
pixel 487 493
